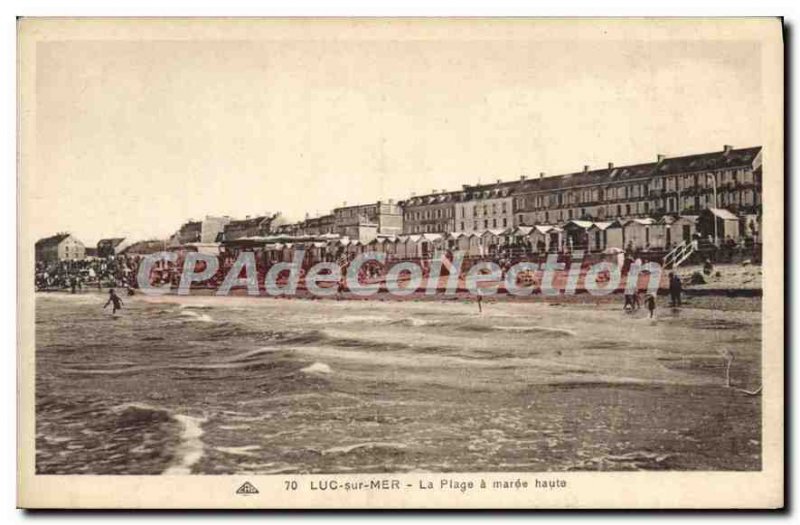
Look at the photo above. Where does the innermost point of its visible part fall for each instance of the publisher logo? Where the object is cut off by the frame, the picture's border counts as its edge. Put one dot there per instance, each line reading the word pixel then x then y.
pixel 247 489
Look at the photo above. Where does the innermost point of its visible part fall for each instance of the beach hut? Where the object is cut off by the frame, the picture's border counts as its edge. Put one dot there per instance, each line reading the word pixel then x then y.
pixel 519 239
pixel 671 230
pixel 467 243
pixel 614 236
pixel 390 245
pixel 636 233
pixel 546 238
pixel 727 224
pixel 450 240
pixel 577 233
pixel 491 241
pixel 411 246
pixel 375 245
pixel 353 248
pixel 316 251
pixel 598 238
pixel 430 243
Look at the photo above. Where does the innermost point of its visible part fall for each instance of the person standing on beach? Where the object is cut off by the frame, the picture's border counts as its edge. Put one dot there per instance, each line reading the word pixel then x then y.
pixel 675 289
pixel 113 298
pixel 650 303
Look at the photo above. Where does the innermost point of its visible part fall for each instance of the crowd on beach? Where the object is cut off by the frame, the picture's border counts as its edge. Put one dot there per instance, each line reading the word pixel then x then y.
pixel 119 271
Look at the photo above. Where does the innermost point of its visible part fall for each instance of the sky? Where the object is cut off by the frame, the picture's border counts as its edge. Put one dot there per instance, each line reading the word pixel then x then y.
pixel 134 138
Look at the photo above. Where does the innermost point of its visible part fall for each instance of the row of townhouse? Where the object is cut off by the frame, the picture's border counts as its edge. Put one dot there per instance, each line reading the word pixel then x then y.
pixel 675 185
pixel 362 222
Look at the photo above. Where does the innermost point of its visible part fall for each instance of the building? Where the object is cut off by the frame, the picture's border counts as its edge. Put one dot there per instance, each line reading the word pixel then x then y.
pixel 207 230
pixel 145 247
pixel 321 225
pixel 729 179
pixel 433 213
pixel 111 247
pixel 60 247
pixel 485 207
pixel 248 227
pixel 364 222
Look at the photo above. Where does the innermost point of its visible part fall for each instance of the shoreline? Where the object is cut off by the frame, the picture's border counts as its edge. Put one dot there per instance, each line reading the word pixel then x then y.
pixel 715 299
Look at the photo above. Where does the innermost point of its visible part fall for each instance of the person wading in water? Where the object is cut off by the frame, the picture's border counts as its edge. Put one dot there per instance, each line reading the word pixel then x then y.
pixel 113 298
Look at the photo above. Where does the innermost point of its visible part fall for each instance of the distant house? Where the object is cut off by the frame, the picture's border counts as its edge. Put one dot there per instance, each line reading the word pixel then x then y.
pixel 60 247
pixel 204 231
pixel 145 247
pixel 248 227
pixel 111 247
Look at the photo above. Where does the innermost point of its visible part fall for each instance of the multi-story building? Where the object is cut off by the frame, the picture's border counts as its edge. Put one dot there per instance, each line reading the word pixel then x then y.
pixel 60 247
pixel 364 222
pixel 207 230
pixel 322 225
pixel 485 207
pixel 248 227
pixel 433 213
pixel 675 185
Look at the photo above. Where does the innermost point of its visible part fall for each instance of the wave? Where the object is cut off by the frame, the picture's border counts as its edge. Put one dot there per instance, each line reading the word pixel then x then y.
pixel 369 445
pixel 247 450
pixel 416 322
pixel 317 368
pixel 195 307
pixel 191 448
pixel 535 329
pixel 194 316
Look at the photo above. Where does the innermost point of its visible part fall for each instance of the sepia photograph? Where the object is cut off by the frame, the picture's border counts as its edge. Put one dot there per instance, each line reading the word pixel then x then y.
pixel 365 262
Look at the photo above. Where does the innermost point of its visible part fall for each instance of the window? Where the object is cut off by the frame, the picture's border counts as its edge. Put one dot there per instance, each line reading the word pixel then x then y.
pixel 627 209
pixel 462 226
pixel 520 219
pixel 485 223
pixel 505 223
pixel 494 223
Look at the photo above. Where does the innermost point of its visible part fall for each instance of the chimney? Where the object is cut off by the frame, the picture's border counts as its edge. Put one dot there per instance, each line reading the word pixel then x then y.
pixel 586 168
pixel 413 193
pixel 541 174
pixel 247 217
pixel 391 201
pixel 522 177
pixel 611 165
pixel 465 187
pixel 660 157
pixel 499 181
pixel 344 203
pixel 727 148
